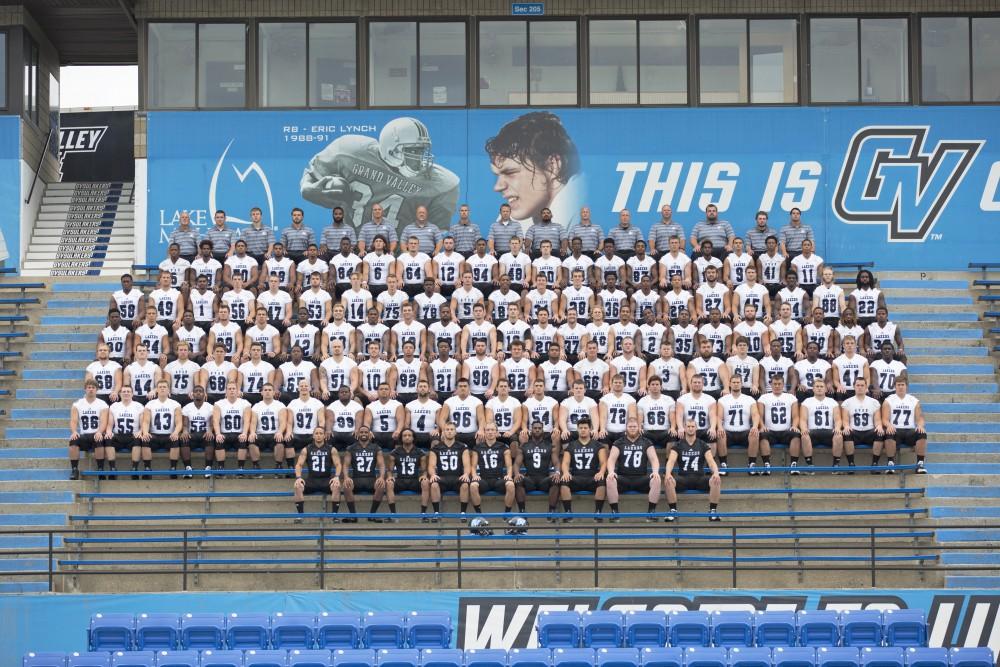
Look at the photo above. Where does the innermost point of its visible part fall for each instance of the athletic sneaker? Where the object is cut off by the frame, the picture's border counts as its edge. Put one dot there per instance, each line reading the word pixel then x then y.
pixel 722 469
pixel 74 474
pixel 849 468
pixel 713 515
pixel 921 468
pixel 794 468
pixel 670 518
pixel 650 518
pixel 751 467
pixel 767 469
pixel 187 471
pixel 890 469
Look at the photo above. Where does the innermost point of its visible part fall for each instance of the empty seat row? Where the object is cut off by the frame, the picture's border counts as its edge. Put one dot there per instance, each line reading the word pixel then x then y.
pixel 571 657
pixel 726 629
pixel 282 631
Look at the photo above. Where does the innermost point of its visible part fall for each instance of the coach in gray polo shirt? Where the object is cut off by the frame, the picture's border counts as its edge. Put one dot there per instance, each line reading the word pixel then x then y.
pixel 428 235
pixel 329 240
pixel 297 237
pixel 591 236
pixel 719 232
pixel 465 232
pixel 757 236
pixel 661 232
pixel 502 231
pixel 222 237
pixel 793 234
pixel 545 230
pixel 259 239
pixel 377 226
pixel 185 236
pixel 624 234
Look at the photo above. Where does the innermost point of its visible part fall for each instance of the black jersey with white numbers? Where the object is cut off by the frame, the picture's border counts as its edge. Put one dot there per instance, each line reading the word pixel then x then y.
pixel 363 459
pixel 691 457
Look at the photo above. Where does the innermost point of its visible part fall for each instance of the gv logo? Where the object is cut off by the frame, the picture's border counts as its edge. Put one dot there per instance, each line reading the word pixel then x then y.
pixel 889 178
pixel 241 177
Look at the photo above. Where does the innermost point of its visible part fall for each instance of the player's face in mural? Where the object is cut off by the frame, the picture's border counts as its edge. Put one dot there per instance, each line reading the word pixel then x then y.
pixel 526 187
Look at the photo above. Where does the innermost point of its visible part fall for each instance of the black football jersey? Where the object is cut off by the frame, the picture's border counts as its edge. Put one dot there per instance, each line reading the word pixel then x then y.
pixel 319 462
pixel 691 457
pixel 406 464
pixel 363 459
pixel 537 455
pixel 583 459
pixel 491 460
pixel 632 456
pixel 449 460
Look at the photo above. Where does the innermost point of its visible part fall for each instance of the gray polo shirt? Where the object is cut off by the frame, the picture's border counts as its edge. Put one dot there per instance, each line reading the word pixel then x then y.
pixel 370 230
pixel 222 239
pixel 545 231
pixel 501 233
pixel 465 236
pixel 297 240
pixel 757 237
pixel 187 239
pixel 428 234
pixel 793 237
pixel 660 233
pixel 718 232
pixel 258 240
pixel 591 235
pixel 625 238
pixel 333 233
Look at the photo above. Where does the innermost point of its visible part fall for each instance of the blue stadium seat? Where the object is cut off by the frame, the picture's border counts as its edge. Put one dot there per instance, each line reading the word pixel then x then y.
pixel 295 630
pixel 338 630
pixel 221 658
pixel 485 657
pixel 573 657
pixel 818 628
pixel 793 656
pixel 972 657
pixel 309 658
pixel 882 656
pixel 156 632
pixel 255 658
pixel 603 629
pixel 732 628
pixel 660 656
pixel 246 631
pixel 88 660
pixel 905 627
pixel 203 631
pixel 617 657
pixel 111 632
pixel 701 656
pixel 43 659
pixel 750 656
pixel 442 657
pixel 398 657
pixel 689 628
pixel 177 659
pixel 428 629
pixel 646 629
pixel 927 657
pixel 558 629
pixel 353 657
pixel 861 628
pixel 382 630
pixel 133 659
pixel 837 656
pixel 529 657
pixel 774 628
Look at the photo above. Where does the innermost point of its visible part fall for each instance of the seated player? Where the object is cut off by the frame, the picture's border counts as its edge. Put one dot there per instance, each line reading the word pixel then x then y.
pixel 848 367
pixel 265 335
pixel 491 468
pixel 540 457
pixel 118 338
pixel 633 466
pixel 106 373
pixel 405 471
pixel 195 337
pixel 305 413
pixel 317 470
pixel 556 372
pixel 712 369
pixel 290 373
pixel 670 370
pixel 161 428
pixel 698 407
pixel 810 369
pixel 269 430
pixel 574 408
pixel 740 426
pixel 867 298
pixel 445 467
pixel 584 467
pixel 656 412
pixel 822 425
pixel 694 459
pixel 181 374
pixel 829 296
pixel 231 426
pixel 862 420
pixel 345 416
pixel 880 332
pixel 903 418
pixel 385 418
pixel 423 416
pixel 885 370
pixel 616 408
pixel 155 337
pixel 780 415
pixel 505 411
pixel 124 427
pixel 197 430
pixel 88 423
pixel 364 472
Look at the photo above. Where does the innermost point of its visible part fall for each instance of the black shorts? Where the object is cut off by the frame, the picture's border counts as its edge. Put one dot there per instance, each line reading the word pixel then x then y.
pixel 406 484
pixel 672 393
pixel 183 399
pixel 637 483
pixel 231 441
pixel 660 439
pixel 196 440
pixel 342 440
pixel 737 438
pixel 468 439
pixel 821 438
pixel 123 442
pixel 860 438
pixel 775 438
pixel 406 398
pixel 253 398
pixel 316 485
pixel 384 440
pixel 422 440
pixel 264 442
pixel 161 441
pixel 449 484
pixel 211 398
pixel 494 484
pixel 536 482
pixel 906 437
pixel 703 435
pixel 691 483
pixel 579 483
pixel 364 484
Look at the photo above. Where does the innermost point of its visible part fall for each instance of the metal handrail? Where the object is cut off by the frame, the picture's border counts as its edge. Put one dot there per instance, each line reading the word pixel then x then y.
pixel 38 167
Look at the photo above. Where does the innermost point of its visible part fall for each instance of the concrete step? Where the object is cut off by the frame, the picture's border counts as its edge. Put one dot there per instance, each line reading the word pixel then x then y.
pixel 984 378
pixel 974 471
pixel 959 416
pixel 936 314
pixel 940 385
pixel 964 352
pixel 935 446
pixel 959 331
pixel 955 397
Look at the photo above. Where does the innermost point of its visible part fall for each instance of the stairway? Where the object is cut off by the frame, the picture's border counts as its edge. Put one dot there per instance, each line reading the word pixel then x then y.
pixel 954 376
pixel 83 229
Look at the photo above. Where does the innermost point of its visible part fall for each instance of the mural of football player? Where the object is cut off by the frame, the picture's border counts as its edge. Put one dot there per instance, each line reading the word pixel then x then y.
pixel 396 171
pixel 537 166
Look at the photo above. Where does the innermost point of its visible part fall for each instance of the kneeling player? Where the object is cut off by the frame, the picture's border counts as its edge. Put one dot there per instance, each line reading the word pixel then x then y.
pixel 584 466
pixel 540 458
pixel 491 469
pixel 822 425
pixel 444 467
pixel 364 472
pixel 694 457
pixel 317 470
pixel 633 466
pixel 406 471
pixel 904 425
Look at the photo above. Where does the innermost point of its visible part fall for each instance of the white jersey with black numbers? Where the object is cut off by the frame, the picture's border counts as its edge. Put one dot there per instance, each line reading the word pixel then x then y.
pixel 428 307
pixel 304 337
pixel 465 300
pixel 844 331
pixel 754 333
pixel 343 266
pixel 777 411
pixel 643 302
pixel 697 409
pixel 292 374
pixel 787 334
pixel 89 415
pixel 226 335
pixel 572 337
pixel 541 411
pixel 639 268
pixel 373 372
pixel 478 331
pixel 820 415
pixel 819 335
pixel 745 369
pixel 515 266
pixel 807 268
pixel 191 336
pixel 264 337
pixel 599 333
pixel 241 266
pixel 886 373
pixel 668 370
pixel 503 412
pixel 423 415
pixel 480 373
pixel 304 415
pixel 153 337
pixel 408 373
pixel 444 375
pixel 306 268
pixel 274 303
pixel 810 371
pixel 240 304
pixel 674 266
pixel 104 375
pixel 282 268
pixel 356 305
pixel 583 263
pixel 209 268
pixel 612 303
pixel 463 413
pixel 412 332
pixel 622 331
pixel 655 414
pixel 607 265
pixel 713 296
pixel 128 304
pixel 115 339
pixel 500 303
pixel 879 334
pixel 181 376
pixel 202 305
pixel 370 333
pixel 592 373
pixel 651 336
pixel 198 418
pixel 630 369
pixel 165 302
pixel 902 411
pixel 345 416
pixel 866 301
pixel 378 268
pixel 716 335
pixel 578 300
pixel 549 267
pixel 617 411
pixel 556 375
pixel 268 417
pixel 737 413
pixel 231 415
pixel 337 373
pixel 794 298
pixel 126 419
pixel 772 368
pixel 770 268
pixel 850 368
pixel 675 302
pixel 254 376
pixel 752 295
pixel 142 376
pixel 684 339
pixel 392 304
pixel 342 331
pixel 450 332
pixel 509 331
pixel 542 336
pixel 738 265
pixel 576 410
pixel 317 303
pixel 413 267
pixel 828 298
pixel 383 415
pixel 217 376
pixel 708 369
pixel 860 413
pixel 449 267
pixel 481 267
pixel 162 416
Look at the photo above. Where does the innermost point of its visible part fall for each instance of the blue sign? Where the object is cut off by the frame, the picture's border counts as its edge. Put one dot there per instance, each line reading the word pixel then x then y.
pixel 10 191
pixel 528 9
pixel 488 619
pixel 913 188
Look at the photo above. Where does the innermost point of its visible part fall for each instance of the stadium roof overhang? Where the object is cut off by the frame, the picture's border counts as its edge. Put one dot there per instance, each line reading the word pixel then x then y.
pixel 87 32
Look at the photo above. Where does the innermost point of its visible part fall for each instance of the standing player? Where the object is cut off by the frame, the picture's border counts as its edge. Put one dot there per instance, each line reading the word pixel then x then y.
pixel 364 472
pixel 633 466
pixel 584 467
pixel 317 470
pixel 695 459
pixel 88 422
pixel 904 425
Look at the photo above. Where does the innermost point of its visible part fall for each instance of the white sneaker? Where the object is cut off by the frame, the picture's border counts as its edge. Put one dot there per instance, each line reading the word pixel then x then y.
pixel 751 470
pixel 889 470
pixel 670 518
pixel 208 472
pixel 722 469
pixel 794 466
pixel 921 468
pixel 767 469
pixel 187 469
